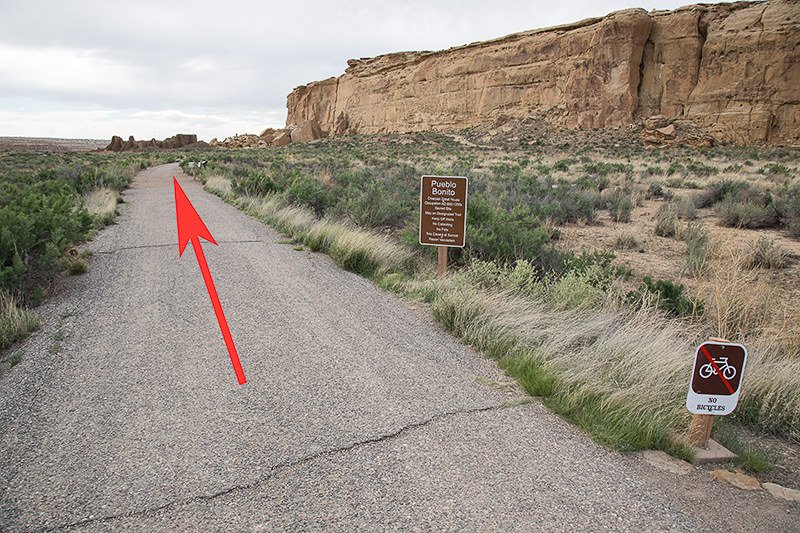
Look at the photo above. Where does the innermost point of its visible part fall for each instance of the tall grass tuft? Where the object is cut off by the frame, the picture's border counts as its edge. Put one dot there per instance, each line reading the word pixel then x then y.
pixel 366 252
pixel 15 322
pixel 219 185
pixel 620 374
pixel 102 205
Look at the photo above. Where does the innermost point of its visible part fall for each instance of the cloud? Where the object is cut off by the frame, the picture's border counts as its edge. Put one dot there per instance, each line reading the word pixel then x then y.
pixel 103 123
pixel 208 59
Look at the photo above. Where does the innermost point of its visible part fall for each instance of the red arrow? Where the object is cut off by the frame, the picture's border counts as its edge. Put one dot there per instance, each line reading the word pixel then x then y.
pixel 191 228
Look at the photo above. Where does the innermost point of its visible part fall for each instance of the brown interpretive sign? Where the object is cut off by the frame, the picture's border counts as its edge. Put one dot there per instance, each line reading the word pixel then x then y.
pixel 443 211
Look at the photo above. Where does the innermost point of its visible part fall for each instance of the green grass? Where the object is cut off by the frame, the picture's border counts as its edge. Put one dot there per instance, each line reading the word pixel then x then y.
pixel 15 358
pixel 750 453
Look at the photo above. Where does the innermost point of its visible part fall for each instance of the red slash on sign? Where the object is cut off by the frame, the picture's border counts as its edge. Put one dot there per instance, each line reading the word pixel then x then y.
pixel 191 228
pixel 716 368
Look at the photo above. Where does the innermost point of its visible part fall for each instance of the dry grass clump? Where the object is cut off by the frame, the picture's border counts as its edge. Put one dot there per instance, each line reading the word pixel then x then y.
pixel 362 251
pixel 15 322
pixel 102 205
pixel 739 303
pixel 627 241
pixel 219 185
pixel 620 374
pixel 667 223
pixel 765 253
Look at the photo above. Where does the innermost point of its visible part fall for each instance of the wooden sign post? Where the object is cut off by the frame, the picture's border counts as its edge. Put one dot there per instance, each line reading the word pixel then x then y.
pixel 443 215
pixel 441 263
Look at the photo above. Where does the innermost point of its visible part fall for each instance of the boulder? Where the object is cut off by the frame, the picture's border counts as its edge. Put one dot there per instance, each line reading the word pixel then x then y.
pixel 282 138
pixel 306 131
pixel 267 135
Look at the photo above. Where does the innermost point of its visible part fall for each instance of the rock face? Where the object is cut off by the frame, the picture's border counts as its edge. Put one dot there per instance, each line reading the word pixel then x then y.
pixel 176 141
pixel 724 72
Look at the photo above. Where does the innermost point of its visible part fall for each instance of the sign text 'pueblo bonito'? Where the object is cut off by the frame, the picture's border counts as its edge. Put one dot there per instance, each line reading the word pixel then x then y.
pixel 443 210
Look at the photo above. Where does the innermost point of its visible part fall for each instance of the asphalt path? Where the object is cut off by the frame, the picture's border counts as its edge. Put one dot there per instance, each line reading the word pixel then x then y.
pixel 359 412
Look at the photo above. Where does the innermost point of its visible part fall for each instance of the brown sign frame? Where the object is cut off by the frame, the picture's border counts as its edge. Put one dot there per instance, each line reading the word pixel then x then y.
pixel 461 181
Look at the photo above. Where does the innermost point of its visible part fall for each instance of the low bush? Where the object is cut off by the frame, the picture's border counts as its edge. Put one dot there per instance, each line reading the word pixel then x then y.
pixel 669 297
pixel 654 171
pixel 619 203
pixel 656 190
pixel 719 191
pixel 685 208
pixel 787 205
pixel 307 191
pixel 701 169
pixel 746 215
pixel 602 168
pixel 505 236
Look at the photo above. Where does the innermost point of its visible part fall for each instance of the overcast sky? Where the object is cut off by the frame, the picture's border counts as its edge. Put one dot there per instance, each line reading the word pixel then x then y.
pixel 92 69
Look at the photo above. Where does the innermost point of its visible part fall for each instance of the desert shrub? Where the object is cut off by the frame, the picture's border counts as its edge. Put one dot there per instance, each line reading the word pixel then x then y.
pixel 592 182
pixel 373 206
pixel 719 191
pixel 775 168
pixel 700 169
pixel 255 183
pixel 765 253
pixel 548 199
pixel 505 235
pixel 602 168
pixel 746 214
pixel 656 190
pixel 654 171
pixel 563 164
pixel 596 267
pixel 575 290
pixel 619 204
pixel 787 205
pixel 36 229
pixel 675 168
pixel 685 208
pixel 307 191
pixel 667 224
pixel 669 297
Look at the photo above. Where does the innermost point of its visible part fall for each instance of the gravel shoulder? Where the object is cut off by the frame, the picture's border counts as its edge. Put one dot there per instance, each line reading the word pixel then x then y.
pixel 359 413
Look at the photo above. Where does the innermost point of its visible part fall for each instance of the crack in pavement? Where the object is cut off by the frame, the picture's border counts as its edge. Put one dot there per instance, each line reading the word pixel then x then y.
pixel 278 468
pixel 173 244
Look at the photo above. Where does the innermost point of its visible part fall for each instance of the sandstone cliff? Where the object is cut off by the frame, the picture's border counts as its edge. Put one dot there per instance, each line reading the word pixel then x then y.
pixel 730 71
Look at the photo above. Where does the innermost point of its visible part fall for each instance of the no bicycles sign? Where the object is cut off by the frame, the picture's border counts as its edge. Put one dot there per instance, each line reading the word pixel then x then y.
pixel 716 378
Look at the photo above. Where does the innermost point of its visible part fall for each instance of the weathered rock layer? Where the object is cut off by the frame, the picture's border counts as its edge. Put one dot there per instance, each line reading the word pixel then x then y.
pixel 180 140
pixel 728 71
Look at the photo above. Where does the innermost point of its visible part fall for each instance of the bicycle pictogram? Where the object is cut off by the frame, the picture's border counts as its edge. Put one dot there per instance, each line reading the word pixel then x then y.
pixel 708 370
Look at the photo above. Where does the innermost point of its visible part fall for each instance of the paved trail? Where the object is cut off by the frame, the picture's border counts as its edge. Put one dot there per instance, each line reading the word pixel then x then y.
pixel 359 412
